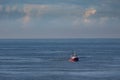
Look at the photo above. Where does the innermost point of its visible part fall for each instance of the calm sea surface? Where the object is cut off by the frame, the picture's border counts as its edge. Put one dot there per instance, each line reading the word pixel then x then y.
pixel 47 59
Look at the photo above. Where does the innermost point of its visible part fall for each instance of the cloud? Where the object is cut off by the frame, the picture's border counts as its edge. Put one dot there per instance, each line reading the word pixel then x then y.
pixel 0 7
pixel 77 13
pixel 26 19
pixel 34 9
pixel 89 12
pixel 40 10
pixel 86 17
pixel 87 20
pixel 7 9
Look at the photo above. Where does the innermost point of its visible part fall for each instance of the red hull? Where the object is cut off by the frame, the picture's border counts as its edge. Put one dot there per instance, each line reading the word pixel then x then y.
pixel 74 59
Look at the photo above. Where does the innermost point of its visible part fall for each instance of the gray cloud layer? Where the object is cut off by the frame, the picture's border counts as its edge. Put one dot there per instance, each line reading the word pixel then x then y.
pixel 63 17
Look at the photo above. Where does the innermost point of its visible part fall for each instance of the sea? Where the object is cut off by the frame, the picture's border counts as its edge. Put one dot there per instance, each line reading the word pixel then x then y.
pixel 48 59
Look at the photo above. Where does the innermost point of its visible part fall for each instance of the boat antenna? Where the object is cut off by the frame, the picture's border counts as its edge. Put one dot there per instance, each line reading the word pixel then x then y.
pixel 74 53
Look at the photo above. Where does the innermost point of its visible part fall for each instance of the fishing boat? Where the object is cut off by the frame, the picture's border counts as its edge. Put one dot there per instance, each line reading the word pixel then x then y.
pixel 74 58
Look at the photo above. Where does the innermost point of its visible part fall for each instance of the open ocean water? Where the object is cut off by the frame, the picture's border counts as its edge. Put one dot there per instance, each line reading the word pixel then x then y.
pixel 47 59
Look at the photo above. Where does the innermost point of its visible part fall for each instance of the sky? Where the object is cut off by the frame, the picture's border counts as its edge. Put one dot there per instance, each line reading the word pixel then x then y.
pixel 59 19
